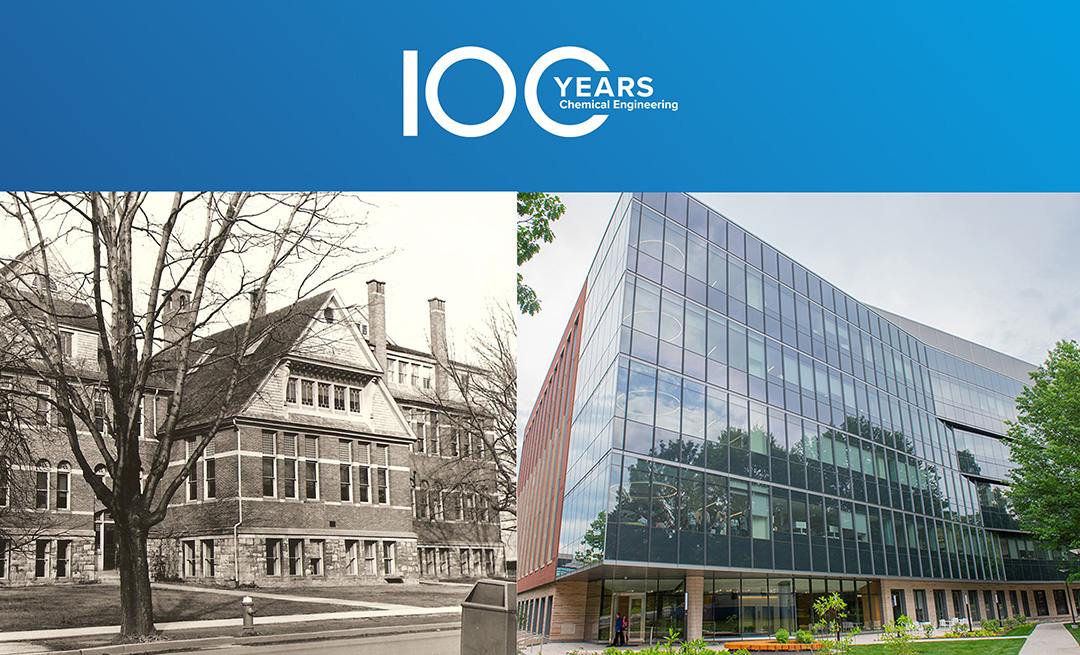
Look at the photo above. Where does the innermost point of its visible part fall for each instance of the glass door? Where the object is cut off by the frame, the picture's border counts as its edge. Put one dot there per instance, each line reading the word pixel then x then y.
pixel 632 607
pixel 635 615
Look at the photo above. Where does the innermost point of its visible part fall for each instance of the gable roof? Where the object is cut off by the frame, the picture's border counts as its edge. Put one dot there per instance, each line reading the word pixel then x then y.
pixel 275 334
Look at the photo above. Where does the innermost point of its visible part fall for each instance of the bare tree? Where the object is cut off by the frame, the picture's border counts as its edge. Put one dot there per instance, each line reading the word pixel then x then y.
pixel 20 525
pixel 480 400
pixel 159 274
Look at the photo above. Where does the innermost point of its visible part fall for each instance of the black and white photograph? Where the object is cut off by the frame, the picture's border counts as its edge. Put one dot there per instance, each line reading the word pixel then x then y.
pixel 258 414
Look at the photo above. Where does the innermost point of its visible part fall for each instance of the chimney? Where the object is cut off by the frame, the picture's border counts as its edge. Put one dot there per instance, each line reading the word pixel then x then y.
pixel 437 310
pixel 176 319
pixel 258 300
pixel 376 294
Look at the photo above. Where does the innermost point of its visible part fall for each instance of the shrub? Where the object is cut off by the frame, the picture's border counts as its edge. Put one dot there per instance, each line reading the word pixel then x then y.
pixel 898 636
pixel 928 630
pixel 783 636
pixel 742 651
pixel 803 637
pixel 696 647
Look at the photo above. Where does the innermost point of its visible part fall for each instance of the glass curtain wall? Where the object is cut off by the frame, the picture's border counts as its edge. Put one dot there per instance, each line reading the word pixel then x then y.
pixel 761 417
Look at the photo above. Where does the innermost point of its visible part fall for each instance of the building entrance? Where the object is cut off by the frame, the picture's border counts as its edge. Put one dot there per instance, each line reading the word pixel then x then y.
pixel 632 606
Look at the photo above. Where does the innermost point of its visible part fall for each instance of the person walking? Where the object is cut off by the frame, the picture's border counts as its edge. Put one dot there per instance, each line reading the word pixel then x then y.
pixel 616 629
pixel 623 624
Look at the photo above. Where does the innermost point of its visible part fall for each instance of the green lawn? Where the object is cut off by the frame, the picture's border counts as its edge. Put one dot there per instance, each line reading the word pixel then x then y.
pixel 1022 631
pixel 972 647
pixel 1075 632
pixel 76 606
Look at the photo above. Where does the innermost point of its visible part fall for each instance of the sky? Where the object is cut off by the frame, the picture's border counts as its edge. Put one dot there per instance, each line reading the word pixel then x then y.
pixel 1001 270
pixel 455 246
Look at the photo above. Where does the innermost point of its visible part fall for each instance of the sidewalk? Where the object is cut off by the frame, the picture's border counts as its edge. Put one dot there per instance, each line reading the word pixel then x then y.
pixel 209 643
pixel 39 635
pixel 240 593
pixel 21 641
pixel 1050 639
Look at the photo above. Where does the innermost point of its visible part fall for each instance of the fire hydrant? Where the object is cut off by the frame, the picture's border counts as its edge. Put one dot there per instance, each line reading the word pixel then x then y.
pixel 249 615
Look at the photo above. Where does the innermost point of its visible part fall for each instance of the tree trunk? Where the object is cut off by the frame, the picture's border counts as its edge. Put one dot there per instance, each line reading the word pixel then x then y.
pixel 135 601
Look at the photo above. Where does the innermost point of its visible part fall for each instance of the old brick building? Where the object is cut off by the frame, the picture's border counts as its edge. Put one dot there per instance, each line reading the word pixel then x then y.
pixel 311 477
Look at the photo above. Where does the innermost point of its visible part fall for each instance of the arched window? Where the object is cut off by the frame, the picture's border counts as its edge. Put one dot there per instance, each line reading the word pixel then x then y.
pixel 41 498
pixel 63 485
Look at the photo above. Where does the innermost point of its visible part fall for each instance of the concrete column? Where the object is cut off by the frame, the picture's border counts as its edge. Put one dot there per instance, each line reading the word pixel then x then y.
pixel 695 605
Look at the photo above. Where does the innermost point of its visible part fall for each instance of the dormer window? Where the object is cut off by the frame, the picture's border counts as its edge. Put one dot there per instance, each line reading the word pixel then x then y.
pixel 67 342
pixel 254 345
pixel 326 397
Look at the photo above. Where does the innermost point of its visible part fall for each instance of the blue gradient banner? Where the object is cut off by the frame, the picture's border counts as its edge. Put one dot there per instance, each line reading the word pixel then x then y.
pixel 844 96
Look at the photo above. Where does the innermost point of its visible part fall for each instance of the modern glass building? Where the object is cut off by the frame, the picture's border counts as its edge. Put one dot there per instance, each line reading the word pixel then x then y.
pixel 723 436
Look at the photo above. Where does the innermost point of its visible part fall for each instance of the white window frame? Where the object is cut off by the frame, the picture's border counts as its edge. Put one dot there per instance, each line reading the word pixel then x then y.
pixel 188 558
pixel 314 466
pixel 296 564
pixel 297 385
pixel 371 557
pixel 43 409
pixel 207 464
pixel 42 471
pixel 345 472
pixel 273 551
pixel 315 558
pixel 272 458
pixel 352 556
pixel 389 557
pixel 67 343
pixel 207 560
pixel 290 461
pixel 63 469
pixel 43 555
pixel 191 492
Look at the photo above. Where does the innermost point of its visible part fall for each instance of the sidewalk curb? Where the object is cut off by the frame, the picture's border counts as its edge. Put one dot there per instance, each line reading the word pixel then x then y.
pixel 218 642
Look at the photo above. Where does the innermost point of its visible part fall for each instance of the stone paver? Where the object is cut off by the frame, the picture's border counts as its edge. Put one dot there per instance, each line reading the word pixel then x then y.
pixel 1050 639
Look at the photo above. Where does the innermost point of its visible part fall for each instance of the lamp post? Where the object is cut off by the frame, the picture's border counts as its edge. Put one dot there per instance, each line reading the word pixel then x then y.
pixel 1068 601
pixel 1069 598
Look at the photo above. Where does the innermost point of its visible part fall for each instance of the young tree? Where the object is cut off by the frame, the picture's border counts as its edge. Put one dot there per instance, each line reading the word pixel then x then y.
pixel 1045 444
pixel 158 273
pixel 536 213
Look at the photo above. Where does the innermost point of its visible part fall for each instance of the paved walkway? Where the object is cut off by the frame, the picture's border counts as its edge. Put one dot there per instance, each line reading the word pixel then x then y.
pixel 10 642
pixel 1050 639
pixel 239 593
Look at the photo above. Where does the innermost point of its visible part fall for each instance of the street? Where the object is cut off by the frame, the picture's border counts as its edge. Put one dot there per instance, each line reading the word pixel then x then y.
pixel 429 643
